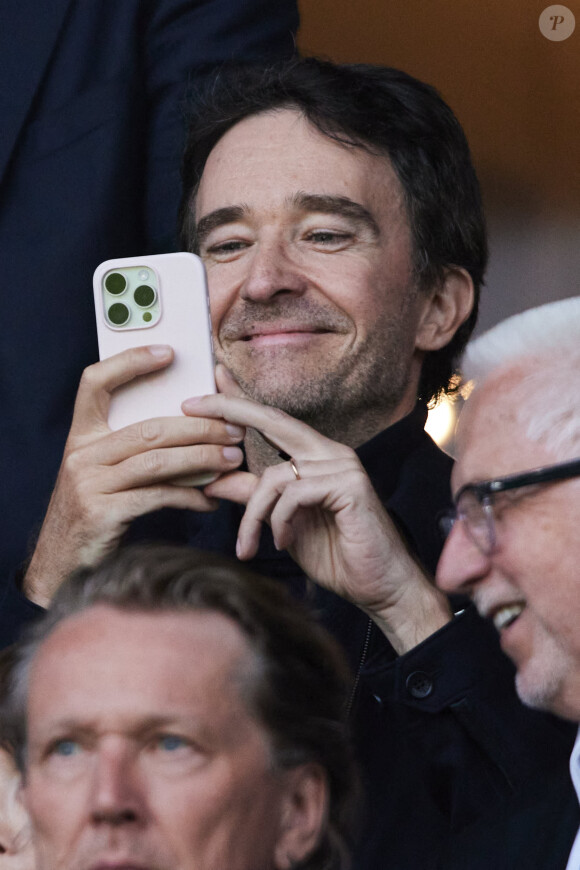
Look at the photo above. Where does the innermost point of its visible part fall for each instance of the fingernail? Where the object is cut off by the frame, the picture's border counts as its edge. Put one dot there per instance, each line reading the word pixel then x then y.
pixel 160 350
pixel 194 400
pixel 234 431
pixel 232 454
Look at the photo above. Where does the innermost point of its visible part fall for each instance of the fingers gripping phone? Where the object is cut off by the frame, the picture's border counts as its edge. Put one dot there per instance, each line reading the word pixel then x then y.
pixel 157 299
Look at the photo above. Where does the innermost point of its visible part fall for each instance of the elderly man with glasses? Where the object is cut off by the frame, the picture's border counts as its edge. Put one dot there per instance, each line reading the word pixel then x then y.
pixel 514 546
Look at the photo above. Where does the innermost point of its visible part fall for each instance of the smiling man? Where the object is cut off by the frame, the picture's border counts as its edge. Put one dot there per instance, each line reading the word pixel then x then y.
pixel 168 718
pixel 338 215
pixel 315 304
pixel 515 547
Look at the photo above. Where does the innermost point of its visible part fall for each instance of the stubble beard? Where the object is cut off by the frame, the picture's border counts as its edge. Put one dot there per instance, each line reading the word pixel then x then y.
pixel 348 398
pixel 539 683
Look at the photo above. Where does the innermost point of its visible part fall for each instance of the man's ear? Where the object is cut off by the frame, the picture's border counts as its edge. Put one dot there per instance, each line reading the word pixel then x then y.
pixel 448 306
pixel 304 815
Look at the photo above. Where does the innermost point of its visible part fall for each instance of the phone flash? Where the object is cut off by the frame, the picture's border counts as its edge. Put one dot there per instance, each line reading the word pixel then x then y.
pixel 143 275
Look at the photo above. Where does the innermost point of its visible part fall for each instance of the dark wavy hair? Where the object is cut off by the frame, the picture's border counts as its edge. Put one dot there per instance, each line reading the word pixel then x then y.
pixel 382 110
pixel 298 692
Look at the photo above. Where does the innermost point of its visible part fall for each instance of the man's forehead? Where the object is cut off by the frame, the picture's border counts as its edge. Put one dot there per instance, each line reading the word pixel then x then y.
pixel 127 670
pixel 295 143
pixel 134 638
pixel 491 438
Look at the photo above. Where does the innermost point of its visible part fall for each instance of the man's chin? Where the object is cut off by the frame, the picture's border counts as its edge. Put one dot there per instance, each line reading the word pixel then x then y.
pixel 295 400
pixel 539 687
pixel 302 396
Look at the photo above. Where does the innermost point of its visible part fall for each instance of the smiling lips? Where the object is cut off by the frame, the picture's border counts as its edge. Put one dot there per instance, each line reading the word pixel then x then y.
pixel 271 334
pixel 505 615
pixel 501 604
pixel 118 865
pixel 283 320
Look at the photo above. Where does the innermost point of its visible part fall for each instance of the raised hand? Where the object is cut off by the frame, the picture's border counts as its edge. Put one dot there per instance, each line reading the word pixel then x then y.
pixel 108 478
pixel 322 507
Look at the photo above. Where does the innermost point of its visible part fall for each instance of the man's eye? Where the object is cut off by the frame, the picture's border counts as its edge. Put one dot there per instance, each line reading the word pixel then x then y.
pixel 223 249
pixel 65 748
pixel 170 742
pixel 329 238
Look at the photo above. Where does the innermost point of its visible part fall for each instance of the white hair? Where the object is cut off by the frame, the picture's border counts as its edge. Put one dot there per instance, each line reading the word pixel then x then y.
pixel 542 347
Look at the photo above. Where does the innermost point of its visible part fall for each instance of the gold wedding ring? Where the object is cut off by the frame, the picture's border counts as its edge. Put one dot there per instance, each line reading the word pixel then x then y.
pixel 294 468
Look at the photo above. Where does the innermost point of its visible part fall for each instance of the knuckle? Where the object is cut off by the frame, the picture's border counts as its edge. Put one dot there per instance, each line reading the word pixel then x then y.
pixel 90 377
pixel 137 499
pixel 209 457
pixel 154 462
pixel 205 428
pixel 345 452
pixel 72 466
pixel 150 431
pixel 271 475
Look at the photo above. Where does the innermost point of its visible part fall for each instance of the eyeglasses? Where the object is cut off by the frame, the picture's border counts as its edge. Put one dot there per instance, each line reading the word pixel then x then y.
pixel 474 503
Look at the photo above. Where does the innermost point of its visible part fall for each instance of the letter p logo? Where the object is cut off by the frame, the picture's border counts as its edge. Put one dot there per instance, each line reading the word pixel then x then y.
pixel 557 23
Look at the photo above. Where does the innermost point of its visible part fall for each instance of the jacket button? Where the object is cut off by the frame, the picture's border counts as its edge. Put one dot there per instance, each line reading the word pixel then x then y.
pixel 419 684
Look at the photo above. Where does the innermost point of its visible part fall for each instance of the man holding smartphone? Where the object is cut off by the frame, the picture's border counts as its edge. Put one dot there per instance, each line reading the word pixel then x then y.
pixel 338 215
pixel 92 97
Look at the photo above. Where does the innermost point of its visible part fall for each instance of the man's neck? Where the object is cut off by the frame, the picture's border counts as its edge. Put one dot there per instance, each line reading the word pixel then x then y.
pixel 260 454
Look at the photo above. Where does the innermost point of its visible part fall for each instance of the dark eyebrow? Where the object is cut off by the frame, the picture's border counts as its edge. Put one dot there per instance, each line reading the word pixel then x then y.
pixel 219 217
pixel 339 205
pixel 307 202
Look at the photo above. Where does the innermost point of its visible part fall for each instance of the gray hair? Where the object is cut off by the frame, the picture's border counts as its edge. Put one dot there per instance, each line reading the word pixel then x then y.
pixel 542 347
pixel 297 692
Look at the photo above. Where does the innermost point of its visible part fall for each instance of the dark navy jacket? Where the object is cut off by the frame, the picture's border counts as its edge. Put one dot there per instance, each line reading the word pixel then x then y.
pixel 91 100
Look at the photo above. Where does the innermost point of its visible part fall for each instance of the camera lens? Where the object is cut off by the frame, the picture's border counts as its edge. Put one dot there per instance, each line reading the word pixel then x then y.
pixel 115 283
pixel 118 314
pixel 144 296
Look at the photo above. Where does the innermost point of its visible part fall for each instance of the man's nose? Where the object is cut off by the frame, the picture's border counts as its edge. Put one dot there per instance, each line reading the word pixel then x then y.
pixel 117 793
pixel 461 564
pixel 272 272
pixel 14 838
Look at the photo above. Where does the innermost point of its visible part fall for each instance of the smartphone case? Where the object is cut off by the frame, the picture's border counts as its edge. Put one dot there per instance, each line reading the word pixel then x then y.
pixel 179 317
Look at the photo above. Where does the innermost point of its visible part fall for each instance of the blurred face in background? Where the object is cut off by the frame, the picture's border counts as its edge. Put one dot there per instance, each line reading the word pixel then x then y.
pixel 16 851
pixel 143 755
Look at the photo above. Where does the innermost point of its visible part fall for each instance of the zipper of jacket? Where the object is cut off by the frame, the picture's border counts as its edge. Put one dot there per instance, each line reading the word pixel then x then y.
pixel 361 663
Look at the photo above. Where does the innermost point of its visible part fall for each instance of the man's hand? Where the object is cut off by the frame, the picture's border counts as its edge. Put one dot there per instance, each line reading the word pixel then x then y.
pixel 330 519
pixel 108 478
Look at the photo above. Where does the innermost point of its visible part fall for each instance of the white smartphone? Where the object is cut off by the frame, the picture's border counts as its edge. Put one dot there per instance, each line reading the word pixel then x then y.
pixel 157 299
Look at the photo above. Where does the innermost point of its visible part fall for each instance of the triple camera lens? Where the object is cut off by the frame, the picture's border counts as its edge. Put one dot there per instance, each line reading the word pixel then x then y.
pixel 118 314
pixel 115 283
pixel 144 296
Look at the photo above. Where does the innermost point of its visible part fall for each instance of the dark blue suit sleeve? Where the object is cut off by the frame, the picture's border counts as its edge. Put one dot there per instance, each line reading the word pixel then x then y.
pixel 93 97
pixel 184 42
